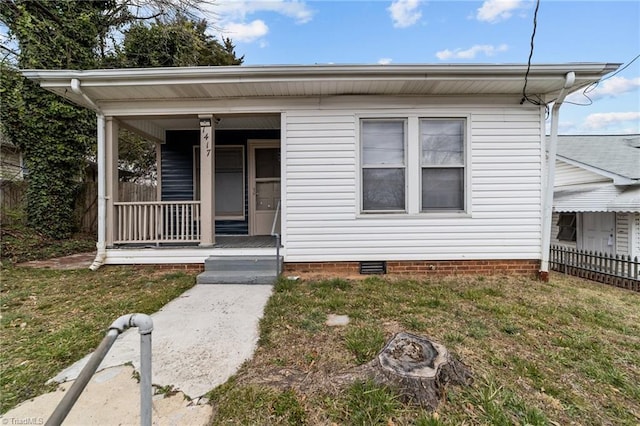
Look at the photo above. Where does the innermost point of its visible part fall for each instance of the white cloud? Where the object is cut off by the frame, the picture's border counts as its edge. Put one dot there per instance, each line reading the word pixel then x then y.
pixel 246 32
pixel 404 13
pixel 610 88
pixel 605 120
pixel 564 127
pixel 486 49
pixel 497 10
pixel 384 61
pixel 615 86
pixel 233 17
pixel 232 10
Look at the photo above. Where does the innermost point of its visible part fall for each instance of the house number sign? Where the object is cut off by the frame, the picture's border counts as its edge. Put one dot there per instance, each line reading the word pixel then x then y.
pixel 205 134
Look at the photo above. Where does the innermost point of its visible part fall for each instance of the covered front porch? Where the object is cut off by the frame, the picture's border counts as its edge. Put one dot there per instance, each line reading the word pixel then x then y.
pixel 217 176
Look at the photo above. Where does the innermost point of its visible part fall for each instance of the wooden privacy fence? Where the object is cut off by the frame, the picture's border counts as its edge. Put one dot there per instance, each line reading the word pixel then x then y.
pixel 87 201
pixel 13 201
pixel 620 271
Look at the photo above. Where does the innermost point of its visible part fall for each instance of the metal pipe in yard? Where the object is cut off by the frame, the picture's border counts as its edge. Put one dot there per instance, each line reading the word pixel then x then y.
pixel 145 327
pixel 278 255
pixel 277 235
pixel 72 395
pixel 146 391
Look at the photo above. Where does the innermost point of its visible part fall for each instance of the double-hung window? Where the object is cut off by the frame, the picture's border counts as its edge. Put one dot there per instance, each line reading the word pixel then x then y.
pixel 442 162
pixel 414 165
pixel 383 158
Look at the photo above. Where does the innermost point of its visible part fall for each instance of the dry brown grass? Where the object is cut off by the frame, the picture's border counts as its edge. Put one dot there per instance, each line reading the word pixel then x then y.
pixel 52 318
pixel 563 352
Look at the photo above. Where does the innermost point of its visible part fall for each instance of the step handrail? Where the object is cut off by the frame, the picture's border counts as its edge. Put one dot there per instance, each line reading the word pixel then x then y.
pixel 145 327
pixel 277 235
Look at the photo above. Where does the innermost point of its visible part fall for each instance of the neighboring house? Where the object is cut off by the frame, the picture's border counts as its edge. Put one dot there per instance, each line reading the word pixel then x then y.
pixel 429 168
pixel 11 162
pixel 597 194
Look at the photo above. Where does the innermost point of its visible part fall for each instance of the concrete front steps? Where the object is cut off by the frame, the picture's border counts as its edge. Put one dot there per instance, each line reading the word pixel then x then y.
pixel 239 270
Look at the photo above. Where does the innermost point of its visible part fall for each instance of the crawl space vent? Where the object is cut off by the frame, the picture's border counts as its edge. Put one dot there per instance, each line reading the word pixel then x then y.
pixel 369 268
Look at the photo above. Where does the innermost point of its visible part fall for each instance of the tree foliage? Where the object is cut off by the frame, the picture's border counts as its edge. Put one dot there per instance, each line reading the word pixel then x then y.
pixel 57 137
pixel 180 42
pixel 53 134
pixel 136 158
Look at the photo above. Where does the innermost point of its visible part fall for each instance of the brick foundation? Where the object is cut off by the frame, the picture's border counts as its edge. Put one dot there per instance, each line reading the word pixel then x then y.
pixel 191 267
pixel 423 267
pixel 394 267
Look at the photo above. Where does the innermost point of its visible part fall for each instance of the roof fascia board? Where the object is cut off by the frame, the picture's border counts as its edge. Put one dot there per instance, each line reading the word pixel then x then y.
pixel 617 179
pixel 270 73
pixel 281 104
pixel 59 81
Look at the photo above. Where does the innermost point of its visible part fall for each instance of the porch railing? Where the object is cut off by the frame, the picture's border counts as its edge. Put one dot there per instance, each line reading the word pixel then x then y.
pixel 157 222
pixel 620 271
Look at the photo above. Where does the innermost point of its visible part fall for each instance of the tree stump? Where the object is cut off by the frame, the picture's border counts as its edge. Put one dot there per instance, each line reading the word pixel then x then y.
pixel 418 368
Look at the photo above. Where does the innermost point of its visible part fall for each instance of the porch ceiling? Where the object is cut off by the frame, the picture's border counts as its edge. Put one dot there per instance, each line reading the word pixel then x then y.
pixel 201 83
pixel 225 122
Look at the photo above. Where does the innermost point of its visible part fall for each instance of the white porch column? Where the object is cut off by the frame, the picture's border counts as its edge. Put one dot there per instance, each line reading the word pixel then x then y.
pixel 207 181
pixel 158 147
pixel 111 171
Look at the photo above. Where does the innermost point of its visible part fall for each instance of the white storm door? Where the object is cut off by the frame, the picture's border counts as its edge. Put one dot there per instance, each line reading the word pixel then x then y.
pixel 598 232
pixel 264 181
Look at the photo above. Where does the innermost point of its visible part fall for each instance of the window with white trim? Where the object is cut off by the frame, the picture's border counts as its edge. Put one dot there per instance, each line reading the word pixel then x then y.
pixel 567 227
pixel 383 158
pixel 229 181
pixel 413 165
pixel 442 163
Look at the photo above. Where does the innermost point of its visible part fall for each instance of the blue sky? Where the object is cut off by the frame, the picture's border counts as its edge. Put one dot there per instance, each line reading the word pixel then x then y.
pixel 435 32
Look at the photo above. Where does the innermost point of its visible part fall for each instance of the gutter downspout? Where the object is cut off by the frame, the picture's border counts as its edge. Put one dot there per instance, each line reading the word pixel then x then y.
pixel 570 78
pixel 101 246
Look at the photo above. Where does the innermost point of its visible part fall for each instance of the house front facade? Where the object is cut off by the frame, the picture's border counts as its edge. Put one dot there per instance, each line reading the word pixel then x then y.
pixel 425 168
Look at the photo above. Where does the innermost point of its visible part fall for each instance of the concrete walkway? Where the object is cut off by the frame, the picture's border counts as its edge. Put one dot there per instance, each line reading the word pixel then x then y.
pixel 199 340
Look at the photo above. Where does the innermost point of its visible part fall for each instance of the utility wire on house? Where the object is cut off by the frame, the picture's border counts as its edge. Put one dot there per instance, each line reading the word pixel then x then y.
pixel 525 97
pixel 590 88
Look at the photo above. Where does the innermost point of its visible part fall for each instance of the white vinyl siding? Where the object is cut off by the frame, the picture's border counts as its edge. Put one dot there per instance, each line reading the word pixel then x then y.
pixel 322 220
pixel 635 235
pixel 623 230
pixel 568 174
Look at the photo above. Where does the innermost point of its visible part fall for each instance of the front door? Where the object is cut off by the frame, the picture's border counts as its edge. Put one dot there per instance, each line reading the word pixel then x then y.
pixel 598 232
pixel 264 181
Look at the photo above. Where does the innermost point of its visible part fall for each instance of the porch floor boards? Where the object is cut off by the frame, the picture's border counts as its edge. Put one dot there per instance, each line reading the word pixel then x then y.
pixel 245 241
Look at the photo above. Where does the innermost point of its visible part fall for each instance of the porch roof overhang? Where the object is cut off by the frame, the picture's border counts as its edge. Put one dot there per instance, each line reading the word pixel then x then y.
pixel 104 86
pixel 604 197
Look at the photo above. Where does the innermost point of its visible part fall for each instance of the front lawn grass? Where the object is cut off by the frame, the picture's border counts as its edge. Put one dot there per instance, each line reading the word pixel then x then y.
pixel 562 352
pixel 50 318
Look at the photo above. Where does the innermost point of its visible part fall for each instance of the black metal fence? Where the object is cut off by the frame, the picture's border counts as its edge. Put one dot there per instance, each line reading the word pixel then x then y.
pixel 620 271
